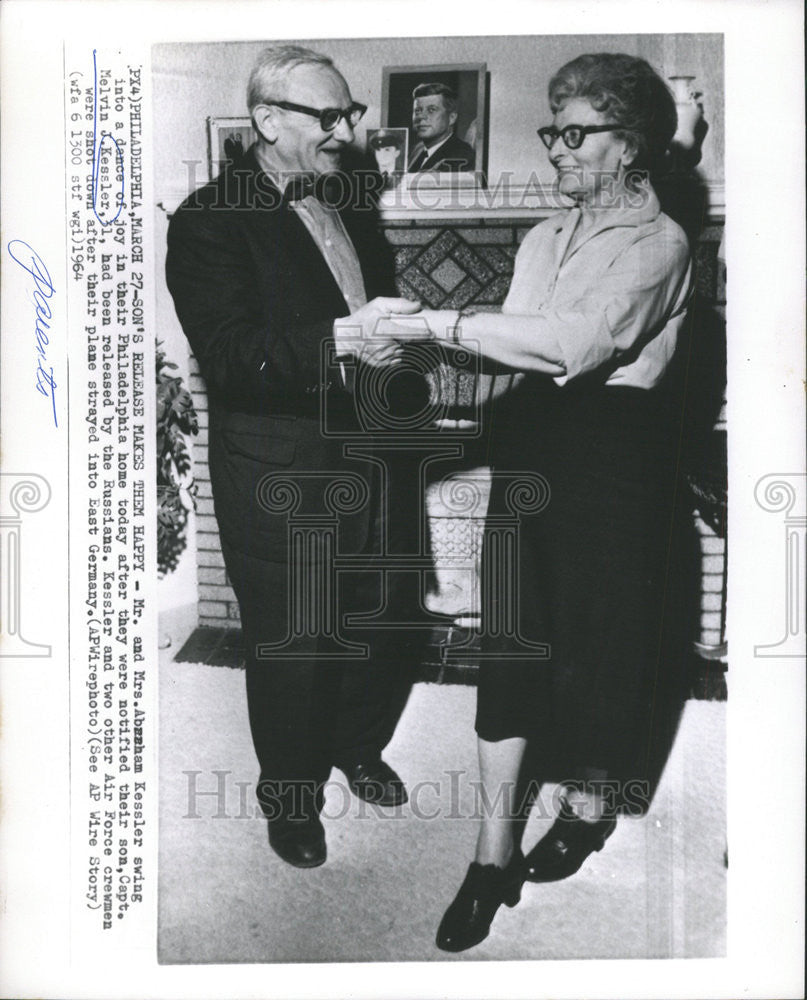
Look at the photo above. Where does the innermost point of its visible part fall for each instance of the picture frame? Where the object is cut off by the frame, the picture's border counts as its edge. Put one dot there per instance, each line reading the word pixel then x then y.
pixel 469 82
pixel 226 139
pixel 390 149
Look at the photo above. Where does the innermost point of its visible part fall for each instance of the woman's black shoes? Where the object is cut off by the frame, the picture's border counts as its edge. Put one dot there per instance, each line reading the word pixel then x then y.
pixel 467 921
pixel 557 856
pixel 563 850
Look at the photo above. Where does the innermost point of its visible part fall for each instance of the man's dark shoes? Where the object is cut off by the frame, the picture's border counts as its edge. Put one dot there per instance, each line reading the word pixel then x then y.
pixel 467 921
pixel 299 842
pixel 376 782
pixel 563 850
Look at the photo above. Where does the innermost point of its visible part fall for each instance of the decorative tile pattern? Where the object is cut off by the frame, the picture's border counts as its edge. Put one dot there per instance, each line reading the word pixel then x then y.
pixel 437 251
pixel 498 258
pixel 414 284
pixel 410 236
pixel 462 296
pixel 494 292
pixel 404 256
pixel 454 268
pixel 473 263
pixel 486 235
pixel 706 269
pixel 448 275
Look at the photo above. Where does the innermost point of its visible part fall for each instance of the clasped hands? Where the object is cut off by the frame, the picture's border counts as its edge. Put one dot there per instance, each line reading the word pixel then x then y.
pixel 377 332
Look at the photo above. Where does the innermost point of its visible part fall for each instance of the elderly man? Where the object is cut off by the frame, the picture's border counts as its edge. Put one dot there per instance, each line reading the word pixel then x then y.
pixel 434 115
pixel 265 280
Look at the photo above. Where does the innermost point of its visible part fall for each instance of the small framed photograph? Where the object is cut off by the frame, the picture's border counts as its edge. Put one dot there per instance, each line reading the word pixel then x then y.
pixel 444 110
pixel 227 141
pixel 390 147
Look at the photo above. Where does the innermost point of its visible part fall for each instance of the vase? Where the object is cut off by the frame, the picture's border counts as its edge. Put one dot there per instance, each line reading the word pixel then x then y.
pixel 690 111
pixel 682 89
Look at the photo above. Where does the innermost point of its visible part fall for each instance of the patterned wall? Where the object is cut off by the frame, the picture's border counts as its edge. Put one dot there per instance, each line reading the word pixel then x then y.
pixel 450 268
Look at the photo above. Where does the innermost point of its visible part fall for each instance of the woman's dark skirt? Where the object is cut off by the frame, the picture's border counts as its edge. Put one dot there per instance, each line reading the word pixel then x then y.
pixel 595 576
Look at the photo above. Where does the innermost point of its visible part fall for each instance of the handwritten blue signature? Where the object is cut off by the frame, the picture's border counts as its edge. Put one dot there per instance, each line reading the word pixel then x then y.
pixel 97 151
pixel 43 290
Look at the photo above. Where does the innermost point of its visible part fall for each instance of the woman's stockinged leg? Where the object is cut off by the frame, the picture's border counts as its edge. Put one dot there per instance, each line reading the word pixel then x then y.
pixel 499 766
pixel 497 874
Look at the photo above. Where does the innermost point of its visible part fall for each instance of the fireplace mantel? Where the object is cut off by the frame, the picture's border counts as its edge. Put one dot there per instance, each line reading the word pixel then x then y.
pixel 420 198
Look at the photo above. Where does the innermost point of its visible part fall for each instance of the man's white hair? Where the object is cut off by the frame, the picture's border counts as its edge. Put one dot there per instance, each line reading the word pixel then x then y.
pixel 268 76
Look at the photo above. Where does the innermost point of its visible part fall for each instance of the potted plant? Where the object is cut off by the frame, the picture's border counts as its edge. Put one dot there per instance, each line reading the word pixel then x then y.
pixel 176 490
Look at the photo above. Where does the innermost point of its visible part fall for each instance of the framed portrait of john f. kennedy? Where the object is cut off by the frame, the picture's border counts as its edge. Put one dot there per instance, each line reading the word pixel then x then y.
pixel 444 107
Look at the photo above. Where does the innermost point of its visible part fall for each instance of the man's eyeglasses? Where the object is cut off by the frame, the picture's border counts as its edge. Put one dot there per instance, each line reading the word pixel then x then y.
pixel 572 135
pixel 329 118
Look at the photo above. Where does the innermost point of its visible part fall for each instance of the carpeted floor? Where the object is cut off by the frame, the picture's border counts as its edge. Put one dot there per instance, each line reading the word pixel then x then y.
pixel 658 889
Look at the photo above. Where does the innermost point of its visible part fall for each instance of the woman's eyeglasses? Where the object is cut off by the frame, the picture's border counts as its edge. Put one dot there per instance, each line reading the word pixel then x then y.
pixel 329 118
pixel 572 135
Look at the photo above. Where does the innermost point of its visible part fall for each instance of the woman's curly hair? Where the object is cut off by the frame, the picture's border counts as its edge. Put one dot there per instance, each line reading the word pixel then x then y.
pixel 630 93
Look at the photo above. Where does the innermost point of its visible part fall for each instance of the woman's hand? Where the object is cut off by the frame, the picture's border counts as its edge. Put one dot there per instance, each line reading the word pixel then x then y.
pixel 405 329
pixel 428 324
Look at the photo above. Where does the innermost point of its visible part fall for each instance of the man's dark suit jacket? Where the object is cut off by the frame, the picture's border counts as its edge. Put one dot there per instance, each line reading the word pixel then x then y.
pixel 257 300
pixel 453 155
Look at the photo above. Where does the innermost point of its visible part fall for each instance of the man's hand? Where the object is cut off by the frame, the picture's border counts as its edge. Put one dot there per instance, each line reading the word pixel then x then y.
pixel 366 332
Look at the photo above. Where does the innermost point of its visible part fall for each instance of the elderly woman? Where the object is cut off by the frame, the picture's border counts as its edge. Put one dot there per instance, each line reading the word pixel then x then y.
pixel 592 318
